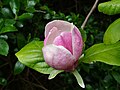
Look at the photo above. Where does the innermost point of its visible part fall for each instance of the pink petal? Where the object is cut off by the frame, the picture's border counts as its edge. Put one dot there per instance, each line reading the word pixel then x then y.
pixel 77 43
pixel 54 32
pixel 65 40
pixel 58 57
pixel 60 24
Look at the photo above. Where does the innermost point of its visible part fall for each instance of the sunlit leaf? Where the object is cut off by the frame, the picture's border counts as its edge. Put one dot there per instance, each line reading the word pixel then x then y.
pixel 110 7
pixel 109 54
pixel 31 56
pixel 112 35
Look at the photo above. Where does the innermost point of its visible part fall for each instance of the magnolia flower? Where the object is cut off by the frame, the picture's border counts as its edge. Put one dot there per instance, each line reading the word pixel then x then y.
pixel 62 45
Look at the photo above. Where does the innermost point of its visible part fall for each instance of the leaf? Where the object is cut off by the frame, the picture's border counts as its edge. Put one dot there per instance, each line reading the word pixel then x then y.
pixel 1 23
pixel 112 35
pixel 7 26
pixel 6 12
pixel 30 5
pixel 110 7
pixel 84 35
pixel 3 81
pixel 54 73
pixel 9 22
pixel 116 76
pixel 31 56
pixel 21 41
pixel 3 47
pixel 5 37
pixel 8 29
pixel 79 78
pixel 15 5
pixel 19 24
pixel 30 9
pixel 109 54
pixel 25 16
pixel 19 67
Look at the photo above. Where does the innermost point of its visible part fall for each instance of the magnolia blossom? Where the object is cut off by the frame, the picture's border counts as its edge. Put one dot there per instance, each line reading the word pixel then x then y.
pixel 62 45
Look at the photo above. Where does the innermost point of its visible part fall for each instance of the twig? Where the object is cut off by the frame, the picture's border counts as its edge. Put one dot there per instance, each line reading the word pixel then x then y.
pixel 40 11
pixel 86 19
pixel 34 84
pixel 35 78
pixel 4 64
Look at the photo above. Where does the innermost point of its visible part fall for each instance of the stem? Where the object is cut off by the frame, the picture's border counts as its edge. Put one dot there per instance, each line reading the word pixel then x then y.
pixel 86 19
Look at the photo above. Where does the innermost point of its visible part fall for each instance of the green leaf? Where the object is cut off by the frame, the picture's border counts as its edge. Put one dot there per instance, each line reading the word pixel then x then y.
pixel 109 54
pixel 5 37
pixel 31 56
pixel 112 35
pixel 6 12
pixel 1 23
pixel 25 16
pixel 21 41
pixel 84 36
pixel 15 5
pixel 3 47
pixel 19 24
pixel 110 7
pixel 116 76
pixel 79 78
pixel 30 9
pixel 54 73
pixel 7 26
pixel 47 16
pixel 3 81
pixel 8 29
pixel 30 5
pixel 9 22
pixel 19 67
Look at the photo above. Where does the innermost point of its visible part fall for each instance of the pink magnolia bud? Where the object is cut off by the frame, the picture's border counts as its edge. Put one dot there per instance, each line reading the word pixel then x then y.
pixel 62 45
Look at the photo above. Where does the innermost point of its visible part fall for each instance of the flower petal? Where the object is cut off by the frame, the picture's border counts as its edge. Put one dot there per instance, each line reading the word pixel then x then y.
pixel 58 57
pixel 65 40
pixel 60 24
pixel 77 43
pixel 54 32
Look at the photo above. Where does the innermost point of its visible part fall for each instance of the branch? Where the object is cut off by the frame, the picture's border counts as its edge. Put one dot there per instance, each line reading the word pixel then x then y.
pixel 86 19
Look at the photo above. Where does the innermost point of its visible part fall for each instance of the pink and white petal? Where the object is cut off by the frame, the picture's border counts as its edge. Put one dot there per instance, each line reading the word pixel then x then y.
pixel 58 57
pixel 54 32
pixel 77 43
pixel 60 24
pixel 65 40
